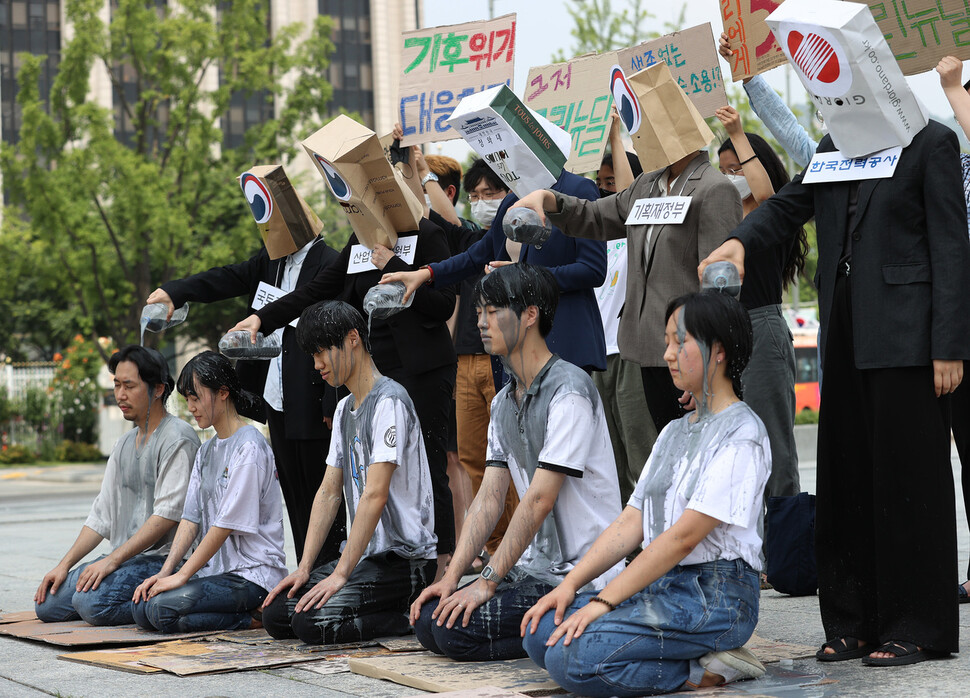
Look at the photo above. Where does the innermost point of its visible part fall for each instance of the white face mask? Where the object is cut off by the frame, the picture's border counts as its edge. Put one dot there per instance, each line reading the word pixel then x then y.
pixel 484 211
pixel 741 184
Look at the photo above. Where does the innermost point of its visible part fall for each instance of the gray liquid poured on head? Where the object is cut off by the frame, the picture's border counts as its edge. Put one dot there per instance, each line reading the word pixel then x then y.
pixel 144 325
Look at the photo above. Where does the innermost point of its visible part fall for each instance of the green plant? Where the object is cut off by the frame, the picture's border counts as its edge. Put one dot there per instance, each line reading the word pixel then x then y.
pixel 75 452
pixel 14 455
pixel 75 391
pixel 807 417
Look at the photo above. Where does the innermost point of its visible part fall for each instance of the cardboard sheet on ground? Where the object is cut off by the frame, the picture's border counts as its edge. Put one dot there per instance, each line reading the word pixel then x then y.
pixel 755 48
pixel 768 651
pixel 77 633
pixel 443 65
pixel 575 96
pixel 483 692
pixel 431 672
pixel 921 32
pixel 17 617
pixel 692 57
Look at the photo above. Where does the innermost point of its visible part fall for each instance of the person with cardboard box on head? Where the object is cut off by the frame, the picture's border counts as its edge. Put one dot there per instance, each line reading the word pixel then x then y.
pixel 701 206
pixel 412 346
pixel 894 296
pixel 296 404
pixel 138 507
pixel 547 437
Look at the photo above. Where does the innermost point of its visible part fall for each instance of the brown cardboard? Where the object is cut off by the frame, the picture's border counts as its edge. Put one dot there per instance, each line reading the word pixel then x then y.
pixel 575 96
pixel 442 65
pixel 17 617
pixel 77 632
pixel 755 48
pixel 671 127
pixel 282 216
pixel 407 169
pixel 921 32
pixel 692 57
pixel 374 195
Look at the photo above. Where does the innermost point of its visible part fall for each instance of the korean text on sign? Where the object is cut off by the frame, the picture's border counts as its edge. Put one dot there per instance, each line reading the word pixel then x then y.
pixel 835 167
pixel 755 47
pixel 443 65
pixel 921 33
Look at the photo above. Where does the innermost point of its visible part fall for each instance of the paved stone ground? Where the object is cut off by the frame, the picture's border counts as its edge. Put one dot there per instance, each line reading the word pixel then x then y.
pixel 41 510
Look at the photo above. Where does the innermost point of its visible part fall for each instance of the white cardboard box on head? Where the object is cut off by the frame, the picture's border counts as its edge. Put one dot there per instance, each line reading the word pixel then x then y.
pixel 843 60
pixel 523 148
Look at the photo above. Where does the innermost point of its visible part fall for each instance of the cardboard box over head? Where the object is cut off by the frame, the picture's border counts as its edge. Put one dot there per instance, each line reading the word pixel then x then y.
pixel 840 55
pixel 373 194
pixel 664 124
pixel 282 216
pixel 523 148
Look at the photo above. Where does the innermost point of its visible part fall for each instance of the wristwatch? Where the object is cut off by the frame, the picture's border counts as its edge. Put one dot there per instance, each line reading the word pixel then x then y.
pixel 490 575
pixel 430 177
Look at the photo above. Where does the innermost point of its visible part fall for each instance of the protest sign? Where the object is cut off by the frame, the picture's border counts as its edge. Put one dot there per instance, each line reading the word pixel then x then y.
pixel 373 194
pixel 670 127
pixel 282 216
pixel 692 57
pixel 845 64
pixel 443 65
pixel 755 48
pixel 522 147
pixel 921 32
pixel 575 96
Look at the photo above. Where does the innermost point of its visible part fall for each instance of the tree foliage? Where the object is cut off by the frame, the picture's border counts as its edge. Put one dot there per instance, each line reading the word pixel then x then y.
pixel 598 27
pixel 100 217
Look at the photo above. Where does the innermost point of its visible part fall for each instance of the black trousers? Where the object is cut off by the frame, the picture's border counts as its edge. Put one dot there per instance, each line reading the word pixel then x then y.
pixel 960 409
pixel 662 395
pixel 885 528
pixel 301 464
pixel 432 393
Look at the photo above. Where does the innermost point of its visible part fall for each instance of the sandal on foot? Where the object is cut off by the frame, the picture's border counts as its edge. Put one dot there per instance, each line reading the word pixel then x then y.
pixel 845 648
pixel 962 595
pixel 903 653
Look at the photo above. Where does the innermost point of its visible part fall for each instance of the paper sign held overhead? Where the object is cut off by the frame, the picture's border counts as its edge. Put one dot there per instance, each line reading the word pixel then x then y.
pixel 443 65
pixel 575 97
pixel 755 48
pixel 692 57
pixel 845 64
pixel 921 32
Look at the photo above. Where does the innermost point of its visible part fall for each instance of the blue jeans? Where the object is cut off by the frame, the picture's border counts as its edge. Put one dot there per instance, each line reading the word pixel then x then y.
pixel 219 602
pixel 493 631
pixel 109 604
pixel 646 646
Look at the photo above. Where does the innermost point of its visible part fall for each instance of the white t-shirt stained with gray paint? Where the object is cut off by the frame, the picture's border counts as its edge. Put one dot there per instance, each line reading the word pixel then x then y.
pixel 717 466
pixel 560 426
pixel 234 485
pixel 143 482
pixel 385 429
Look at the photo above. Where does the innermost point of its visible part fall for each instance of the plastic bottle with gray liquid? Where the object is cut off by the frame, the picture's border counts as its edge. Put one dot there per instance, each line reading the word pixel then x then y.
pixel 237 345
pixel 723 277
pixel 384 300
pixel 525 225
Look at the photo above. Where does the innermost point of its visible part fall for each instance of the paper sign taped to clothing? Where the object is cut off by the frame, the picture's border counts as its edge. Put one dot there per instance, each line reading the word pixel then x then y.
pixel 575 96
pixel 360 255
pixel 755 48
pixel 443 65
pixel 660 210
pixel 921 32
pixel 266 294
pixel 692 57
pixel 845 64
pixel 836 167
pixel 523 148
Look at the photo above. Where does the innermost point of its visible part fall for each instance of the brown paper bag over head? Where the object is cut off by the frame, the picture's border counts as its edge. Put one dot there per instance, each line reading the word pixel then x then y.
pixel 283 217
pixel 670 127
pixel 373 194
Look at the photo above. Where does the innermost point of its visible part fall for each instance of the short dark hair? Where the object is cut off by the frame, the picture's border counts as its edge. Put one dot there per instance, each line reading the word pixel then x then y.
pixel 517 286
pixel 448 172
pixel 326 324
pixel 631 158
pixel 711 316
pixel 151 365
pixel 480 170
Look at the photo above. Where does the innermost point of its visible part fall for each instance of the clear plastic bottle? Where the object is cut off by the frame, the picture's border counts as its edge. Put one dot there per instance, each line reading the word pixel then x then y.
pixel 237 345
pixel 153 318
pixel 723 277
pixel 525 225
pixel 384 300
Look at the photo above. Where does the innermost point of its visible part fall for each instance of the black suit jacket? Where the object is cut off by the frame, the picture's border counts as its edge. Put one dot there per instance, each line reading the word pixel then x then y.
pixel 307 398
pixel 910 254
pixel 420 334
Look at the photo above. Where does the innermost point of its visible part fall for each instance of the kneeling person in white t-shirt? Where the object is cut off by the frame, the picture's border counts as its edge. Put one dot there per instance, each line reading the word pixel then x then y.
pixel 377 456
pixel 547 435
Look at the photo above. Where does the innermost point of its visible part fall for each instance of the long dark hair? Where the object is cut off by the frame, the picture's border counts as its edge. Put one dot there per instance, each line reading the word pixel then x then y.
pixel 795 262
pixel 214 371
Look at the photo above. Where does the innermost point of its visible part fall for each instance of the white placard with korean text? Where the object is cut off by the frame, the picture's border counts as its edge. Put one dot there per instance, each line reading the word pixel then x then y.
pixel 661 210
pixel 266 294
pixel 360 255
pixel 836 167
